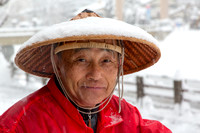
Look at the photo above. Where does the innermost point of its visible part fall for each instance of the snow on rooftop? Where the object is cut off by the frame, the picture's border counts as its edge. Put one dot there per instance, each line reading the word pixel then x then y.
pixel 90 26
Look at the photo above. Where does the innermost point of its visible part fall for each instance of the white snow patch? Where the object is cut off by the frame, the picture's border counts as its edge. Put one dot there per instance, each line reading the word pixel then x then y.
pixel 179 56
pixel 115 118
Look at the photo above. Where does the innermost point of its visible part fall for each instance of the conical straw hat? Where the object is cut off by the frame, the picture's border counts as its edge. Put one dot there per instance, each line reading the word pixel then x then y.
pixel 140 48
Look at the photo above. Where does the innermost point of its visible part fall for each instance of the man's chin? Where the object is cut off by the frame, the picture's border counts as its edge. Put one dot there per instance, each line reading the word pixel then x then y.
pixel 89 104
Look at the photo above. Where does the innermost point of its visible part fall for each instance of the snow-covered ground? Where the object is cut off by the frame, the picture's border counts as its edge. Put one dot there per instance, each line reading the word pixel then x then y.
pixel 180 119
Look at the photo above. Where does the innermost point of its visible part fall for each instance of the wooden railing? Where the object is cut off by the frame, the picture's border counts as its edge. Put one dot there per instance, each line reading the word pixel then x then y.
pixel 178 89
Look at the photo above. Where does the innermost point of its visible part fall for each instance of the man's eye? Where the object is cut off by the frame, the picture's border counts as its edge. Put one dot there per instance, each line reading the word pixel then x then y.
pixel 106 60
pixel 81 60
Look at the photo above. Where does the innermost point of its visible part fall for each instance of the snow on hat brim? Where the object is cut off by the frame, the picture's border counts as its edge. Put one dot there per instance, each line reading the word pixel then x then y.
pixel 141 49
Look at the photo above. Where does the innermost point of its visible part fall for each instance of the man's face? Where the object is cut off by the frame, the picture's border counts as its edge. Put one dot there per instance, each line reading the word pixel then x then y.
pixel 89 75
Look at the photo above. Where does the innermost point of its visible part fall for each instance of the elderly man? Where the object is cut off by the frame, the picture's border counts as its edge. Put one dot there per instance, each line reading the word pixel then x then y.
pixel 84 58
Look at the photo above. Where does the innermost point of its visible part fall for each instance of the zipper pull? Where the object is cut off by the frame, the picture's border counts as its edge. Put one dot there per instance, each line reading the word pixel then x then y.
pixel 89 116
pixel 89 120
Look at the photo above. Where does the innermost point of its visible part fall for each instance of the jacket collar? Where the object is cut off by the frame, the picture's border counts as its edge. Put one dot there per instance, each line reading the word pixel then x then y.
pixel 64 103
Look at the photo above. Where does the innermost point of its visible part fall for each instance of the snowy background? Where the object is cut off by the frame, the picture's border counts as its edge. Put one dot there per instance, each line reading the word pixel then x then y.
pixel 179 43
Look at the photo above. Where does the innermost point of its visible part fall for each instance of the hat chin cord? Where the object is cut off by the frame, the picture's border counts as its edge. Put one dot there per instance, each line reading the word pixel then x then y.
pixel 121 72
pixel 104 101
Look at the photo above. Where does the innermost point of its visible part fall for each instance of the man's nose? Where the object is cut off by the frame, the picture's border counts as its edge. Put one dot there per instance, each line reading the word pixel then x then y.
pixel 94 72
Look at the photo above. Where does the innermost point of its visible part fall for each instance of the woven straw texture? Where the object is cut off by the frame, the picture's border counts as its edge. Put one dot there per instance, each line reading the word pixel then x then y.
pixel 35 58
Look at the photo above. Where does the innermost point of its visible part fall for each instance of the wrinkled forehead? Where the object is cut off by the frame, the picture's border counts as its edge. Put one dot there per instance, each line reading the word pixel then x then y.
pixel 87 52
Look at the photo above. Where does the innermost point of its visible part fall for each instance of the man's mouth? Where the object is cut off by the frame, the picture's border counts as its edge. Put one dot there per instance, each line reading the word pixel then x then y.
pixel 89 87
pixel 93 87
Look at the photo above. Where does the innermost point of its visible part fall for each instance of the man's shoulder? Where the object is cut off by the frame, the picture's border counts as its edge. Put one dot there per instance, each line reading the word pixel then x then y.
pixel 124 104
pixel 151 126
pixel 27 101
pixel 13 115
pixel 132 116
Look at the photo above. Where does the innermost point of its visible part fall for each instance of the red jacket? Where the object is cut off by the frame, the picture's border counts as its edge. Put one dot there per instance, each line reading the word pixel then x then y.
pixel 47 110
